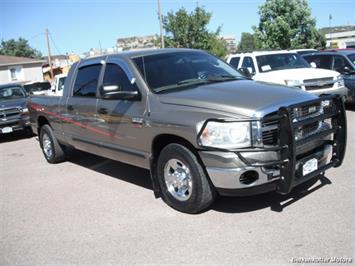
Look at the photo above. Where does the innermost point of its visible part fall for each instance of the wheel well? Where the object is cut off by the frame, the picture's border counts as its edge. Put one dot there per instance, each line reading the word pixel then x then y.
pixel 163 140
pixel 41 122
pixel 157 146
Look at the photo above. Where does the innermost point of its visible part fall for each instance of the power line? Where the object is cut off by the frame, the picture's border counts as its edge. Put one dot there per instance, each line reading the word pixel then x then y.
pixel 55 45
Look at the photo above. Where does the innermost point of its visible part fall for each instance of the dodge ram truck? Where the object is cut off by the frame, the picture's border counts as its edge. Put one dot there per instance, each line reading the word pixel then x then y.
pixel 198 125
pixel 14 114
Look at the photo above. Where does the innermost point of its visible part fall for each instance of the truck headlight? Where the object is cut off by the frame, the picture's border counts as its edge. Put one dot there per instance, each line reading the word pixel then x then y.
pixel 226 135
pixel 293 83
pixel 24 110
pixel 340 81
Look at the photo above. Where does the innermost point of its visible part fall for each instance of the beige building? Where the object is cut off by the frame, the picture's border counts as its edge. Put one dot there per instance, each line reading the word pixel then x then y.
pixel 20 69
pixel 345 39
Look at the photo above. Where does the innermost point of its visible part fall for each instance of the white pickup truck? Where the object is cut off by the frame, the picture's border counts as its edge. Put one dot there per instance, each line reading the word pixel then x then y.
pixel 288 68
pixel 57 85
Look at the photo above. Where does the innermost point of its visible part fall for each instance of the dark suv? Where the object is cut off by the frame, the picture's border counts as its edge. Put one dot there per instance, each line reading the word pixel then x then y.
pixel 342 61
pixel 14 114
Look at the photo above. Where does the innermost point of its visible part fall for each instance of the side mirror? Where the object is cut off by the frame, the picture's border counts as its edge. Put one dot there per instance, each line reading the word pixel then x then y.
pixel 313 65
pixel 115 92
pixel 245 72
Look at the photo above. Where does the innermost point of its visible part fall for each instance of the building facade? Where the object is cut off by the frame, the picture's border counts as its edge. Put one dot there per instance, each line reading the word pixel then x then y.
pixel 345 39
pixel 20 69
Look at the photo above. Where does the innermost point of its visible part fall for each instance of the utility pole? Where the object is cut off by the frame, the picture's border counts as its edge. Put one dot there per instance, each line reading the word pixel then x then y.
pixel 330 30
pixel 49 55
pixel 161 26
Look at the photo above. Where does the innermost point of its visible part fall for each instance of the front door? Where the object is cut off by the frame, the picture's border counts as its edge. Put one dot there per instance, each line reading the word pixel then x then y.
pixel 122 119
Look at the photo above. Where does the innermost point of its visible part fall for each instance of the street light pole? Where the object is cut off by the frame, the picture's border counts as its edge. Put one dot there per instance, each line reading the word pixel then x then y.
pixel 161 26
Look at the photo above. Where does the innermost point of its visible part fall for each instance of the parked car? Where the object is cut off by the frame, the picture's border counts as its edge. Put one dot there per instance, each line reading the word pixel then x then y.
pixel 342 61
pixel 57 85
pixel 289 68
pixel 14 114
pixel 37 88
pixel 195 122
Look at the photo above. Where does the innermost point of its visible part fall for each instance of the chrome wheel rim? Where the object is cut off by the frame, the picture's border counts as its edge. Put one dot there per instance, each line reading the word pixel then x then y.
pixel 178 179
pixel 47 145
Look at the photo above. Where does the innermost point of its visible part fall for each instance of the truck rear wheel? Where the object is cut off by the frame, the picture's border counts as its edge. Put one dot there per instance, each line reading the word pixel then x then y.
pixel 51 148
pixel 183 182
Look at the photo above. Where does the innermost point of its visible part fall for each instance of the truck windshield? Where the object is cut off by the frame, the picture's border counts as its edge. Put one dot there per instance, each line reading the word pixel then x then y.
pixel 11 93
pixel 181 69
pixel 273 62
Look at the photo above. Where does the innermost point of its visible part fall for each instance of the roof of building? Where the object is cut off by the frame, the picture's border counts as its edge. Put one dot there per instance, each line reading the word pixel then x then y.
pixel 6 60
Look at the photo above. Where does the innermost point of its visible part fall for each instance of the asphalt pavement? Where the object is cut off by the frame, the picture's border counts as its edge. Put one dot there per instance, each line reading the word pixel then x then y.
pixel 94 211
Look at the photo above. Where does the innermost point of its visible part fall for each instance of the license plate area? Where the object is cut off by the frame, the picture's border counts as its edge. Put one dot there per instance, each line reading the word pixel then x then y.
pixel 309 166
pixel 6 130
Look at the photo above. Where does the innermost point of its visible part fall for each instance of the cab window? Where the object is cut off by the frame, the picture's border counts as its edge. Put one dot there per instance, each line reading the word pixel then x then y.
pixel 115 75
pixel 249 64
pixel 86 81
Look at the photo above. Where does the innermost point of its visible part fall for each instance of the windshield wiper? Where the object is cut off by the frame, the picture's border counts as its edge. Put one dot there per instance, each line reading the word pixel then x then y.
pixel 224 78
pixel 197 81
pixel 182 83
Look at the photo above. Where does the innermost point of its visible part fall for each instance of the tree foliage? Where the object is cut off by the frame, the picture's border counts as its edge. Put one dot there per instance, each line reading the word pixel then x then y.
pixel 287 24
pixel 247 43
pixel 18 47
pixel 189 30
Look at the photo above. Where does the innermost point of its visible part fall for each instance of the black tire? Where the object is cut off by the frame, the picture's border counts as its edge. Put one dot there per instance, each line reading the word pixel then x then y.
pixel 202 192
pixel 57 153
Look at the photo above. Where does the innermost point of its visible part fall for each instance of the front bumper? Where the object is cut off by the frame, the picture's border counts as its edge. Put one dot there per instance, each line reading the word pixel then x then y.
pixel 16 124
pixel 342 91
pixel 280 168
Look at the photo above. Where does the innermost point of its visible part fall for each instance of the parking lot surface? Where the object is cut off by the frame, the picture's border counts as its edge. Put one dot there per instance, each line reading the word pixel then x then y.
pixel 94 211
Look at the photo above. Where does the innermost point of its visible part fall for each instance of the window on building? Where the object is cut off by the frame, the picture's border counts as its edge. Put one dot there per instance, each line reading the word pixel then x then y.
pixel 15 73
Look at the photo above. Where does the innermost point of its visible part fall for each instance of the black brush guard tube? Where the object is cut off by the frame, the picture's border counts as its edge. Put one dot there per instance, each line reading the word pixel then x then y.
pixel 287 140
pixel 288 144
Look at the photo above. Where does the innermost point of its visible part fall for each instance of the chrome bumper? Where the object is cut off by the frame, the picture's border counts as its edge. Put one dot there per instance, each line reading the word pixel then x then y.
pixel 229 178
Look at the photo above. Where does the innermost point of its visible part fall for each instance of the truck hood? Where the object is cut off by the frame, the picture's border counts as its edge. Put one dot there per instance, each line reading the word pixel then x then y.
pixel 279 76
pixel 21 102
pixel 241 98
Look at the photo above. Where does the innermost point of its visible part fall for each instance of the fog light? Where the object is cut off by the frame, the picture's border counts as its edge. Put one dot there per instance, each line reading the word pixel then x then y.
pixel 248 177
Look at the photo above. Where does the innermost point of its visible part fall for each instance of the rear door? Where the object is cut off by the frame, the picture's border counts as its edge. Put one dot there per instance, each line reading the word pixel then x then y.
pixel 80 111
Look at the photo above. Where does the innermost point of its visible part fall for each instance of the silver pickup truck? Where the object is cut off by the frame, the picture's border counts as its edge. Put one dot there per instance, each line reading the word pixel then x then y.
pixel 196 123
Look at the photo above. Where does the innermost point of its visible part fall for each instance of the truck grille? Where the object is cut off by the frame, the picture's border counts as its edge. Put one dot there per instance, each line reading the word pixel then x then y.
pixel 8 114
pixel 270 128
pixel 318 84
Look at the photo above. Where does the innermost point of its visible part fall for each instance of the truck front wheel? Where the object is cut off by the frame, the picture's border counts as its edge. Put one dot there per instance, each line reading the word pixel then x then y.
pixel 183 182
pixel 51 148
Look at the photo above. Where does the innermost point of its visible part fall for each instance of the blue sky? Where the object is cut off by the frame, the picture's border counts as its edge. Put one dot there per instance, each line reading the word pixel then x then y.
pixel 76 26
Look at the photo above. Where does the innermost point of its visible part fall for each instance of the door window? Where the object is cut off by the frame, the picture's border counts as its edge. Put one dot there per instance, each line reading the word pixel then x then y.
pixel 340 63
pixel 248 63
pixel 235 61
pixel 114 75
pixel 86 81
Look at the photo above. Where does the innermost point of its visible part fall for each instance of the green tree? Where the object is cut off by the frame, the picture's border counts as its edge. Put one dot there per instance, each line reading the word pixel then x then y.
pixel 247 43
pixel 18 47
pixel 189 30
pixel 287 24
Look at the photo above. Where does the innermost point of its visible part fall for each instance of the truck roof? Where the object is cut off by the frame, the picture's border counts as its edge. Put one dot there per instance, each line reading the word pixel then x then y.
pixel 258 53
